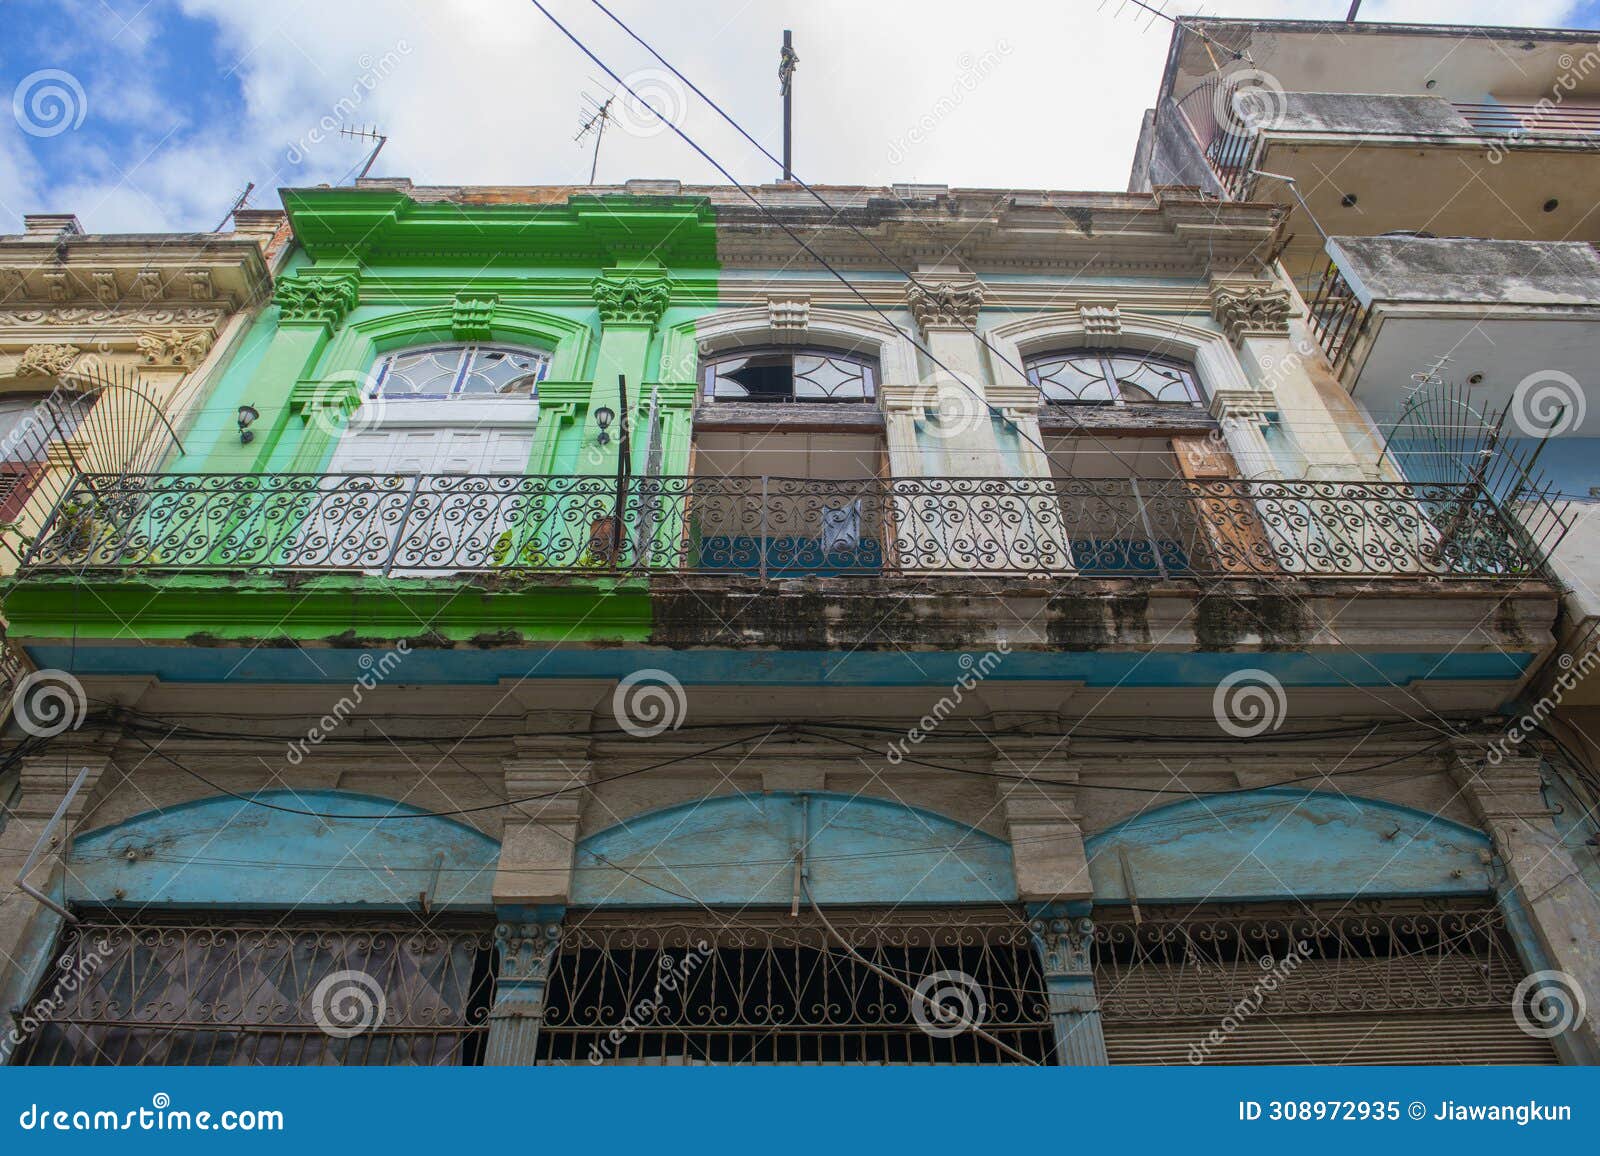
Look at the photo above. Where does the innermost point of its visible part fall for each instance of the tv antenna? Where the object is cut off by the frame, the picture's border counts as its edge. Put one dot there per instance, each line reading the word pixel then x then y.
pixel 787 59
pixel 239 202
pixel 371 134
pixel 599 114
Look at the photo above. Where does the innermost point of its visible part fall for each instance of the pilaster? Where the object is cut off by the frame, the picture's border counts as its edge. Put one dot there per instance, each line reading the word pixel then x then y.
pixel 526 943
pixel 1540 878
pixel 1063 934
pixel 541 834
pixel 1040 809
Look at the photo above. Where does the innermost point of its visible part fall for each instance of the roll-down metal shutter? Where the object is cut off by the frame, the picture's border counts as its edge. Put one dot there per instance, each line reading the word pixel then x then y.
pixel 1357 983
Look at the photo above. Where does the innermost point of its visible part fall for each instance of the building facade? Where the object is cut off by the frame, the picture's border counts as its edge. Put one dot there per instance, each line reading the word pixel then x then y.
pixel 595 627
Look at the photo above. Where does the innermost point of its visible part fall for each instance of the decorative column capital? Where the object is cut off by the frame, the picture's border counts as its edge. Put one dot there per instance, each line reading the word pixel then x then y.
pixel 631 300
pixel 945 304
pixel 316 298
pixel 1066 944
pixel 526 950
pixel 1251 311
pixel 472 316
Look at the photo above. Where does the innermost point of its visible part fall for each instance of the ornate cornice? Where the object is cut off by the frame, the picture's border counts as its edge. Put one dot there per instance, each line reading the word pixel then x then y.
pixel 631 300
pixel 1251 311
pixel 316 298
pixel 945 304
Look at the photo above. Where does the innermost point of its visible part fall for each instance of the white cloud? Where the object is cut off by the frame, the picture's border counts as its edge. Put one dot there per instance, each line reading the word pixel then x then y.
pixel 1005 94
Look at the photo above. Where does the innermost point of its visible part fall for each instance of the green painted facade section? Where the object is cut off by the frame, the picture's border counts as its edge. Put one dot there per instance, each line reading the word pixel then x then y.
pixel 609 285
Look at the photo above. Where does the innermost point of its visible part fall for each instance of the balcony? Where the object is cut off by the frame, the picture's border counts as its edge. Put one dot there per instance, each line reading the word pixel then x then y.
pixel 1387 308
pixel 1374 163
pixel 514 528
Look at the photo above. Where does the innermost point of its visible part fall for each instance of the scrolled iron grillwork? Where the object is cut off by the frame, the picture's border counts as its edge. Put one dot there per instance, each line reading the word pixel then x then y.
pixel 1357 958
pixel 266 993
pixel 673 989
pixel 513 525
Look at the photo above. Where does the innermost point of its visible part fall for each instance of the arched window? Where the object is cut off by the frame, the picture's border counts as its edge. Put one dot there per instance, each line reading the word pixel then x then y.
pixel 1113 377
pixel 443 372
pixel 782 374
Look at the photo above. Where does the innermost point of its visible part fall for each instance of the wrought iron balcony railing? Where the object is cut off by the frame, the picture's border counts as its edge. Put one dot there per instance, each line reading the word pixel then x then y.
pixel 515 525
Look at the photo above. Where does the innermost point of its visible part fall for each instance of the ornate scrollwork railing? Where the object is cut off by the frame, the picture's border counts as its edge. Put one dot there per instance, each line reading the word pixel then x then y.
pixel 666 988
pixel 514 525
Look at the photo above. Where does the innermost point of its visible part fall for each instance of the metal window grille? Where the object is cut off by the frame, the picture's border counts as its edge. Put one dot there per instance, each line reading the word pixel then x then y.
pixel 261 992
pixel 677 989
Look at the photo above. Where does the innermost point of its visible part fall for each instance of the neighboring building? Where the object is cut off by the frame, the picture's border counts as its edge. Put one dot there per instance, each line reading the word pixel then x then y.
pixel 1031 624
pixel 105 341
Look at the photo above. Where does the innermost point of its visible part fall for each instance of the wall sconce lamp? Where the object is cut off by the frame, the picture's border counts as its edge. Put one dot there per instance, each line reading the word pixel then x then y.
pixel 247 417
pixel 603 417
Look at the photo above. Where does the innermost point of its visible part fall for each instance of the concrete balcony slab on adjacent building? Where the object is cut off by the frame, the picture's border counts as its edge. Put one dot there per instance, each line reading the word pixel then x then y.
pixel 1387 309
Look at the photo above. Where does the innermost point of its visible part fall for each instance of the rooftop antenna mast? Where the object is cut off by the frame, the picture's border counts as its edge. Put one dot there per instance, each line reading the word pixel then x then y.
pixel 371 134
pixel 239 202
pixel 599 117
pixel 787 59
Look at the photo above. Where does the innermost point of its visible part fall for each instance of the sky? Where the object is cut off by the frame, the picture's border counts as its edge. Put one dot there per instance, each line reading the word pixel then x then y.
pixel 151 115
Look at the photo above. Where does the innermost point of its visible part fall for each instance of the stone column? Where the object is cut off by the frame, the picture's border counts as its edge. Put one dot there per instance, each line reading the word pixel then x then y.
pixel 631 301
pixel 527 941
pixel 1540 882
pixel 1064 936
pixel 954 400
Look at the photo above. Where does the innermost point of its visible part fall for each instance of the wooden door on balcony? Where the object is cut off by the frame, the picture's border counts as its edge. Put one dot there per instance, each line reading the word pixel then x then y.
pixel 409 532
